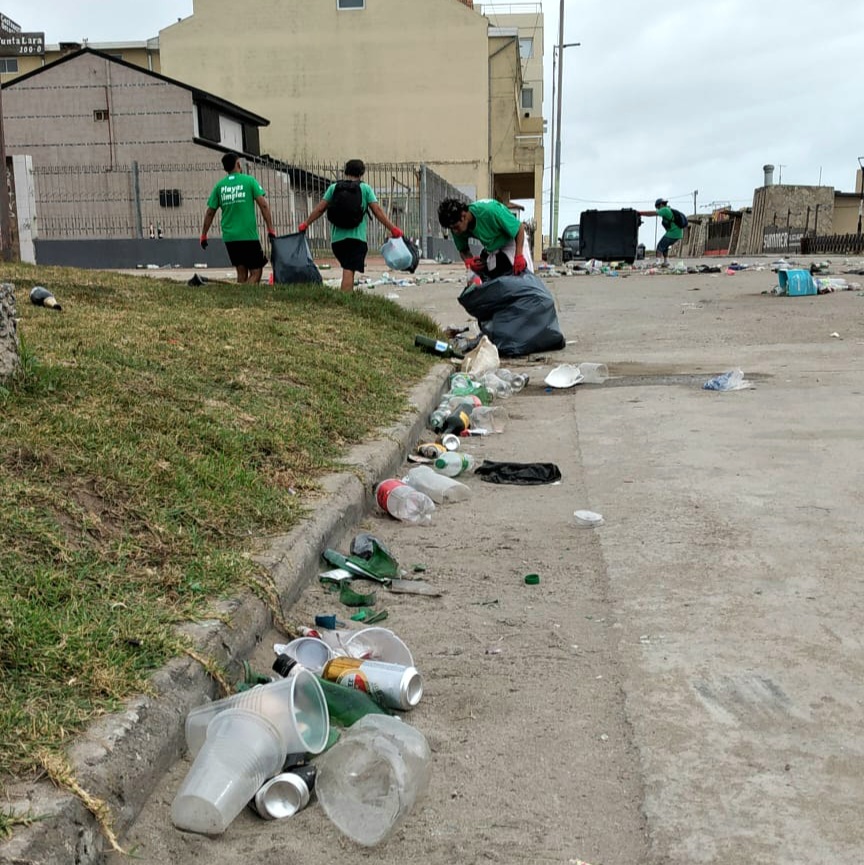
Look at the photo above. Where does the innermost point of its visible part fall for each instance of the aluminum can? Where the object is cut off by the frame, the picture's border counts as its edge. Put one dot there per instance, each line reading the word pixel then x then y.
pixel 390 684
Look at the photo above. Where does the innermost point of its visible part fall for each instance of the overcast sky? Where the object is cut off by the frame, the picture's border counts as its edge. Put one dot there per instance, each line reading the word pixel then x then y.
pixel 659 100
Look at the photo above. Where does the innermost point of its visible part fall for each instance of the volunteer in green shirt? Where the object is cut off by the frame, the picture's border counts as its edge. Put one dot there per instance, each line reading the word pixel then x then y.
pixel 349 244
pixel 500 233
pixel 236 195
pixel 674 232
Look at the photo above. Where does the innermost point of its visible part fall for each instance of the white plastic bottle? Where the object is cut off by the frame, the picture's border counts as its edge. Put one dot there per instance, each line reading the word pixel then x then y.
pixel 439 488
pixel 452 463
pixel 404 502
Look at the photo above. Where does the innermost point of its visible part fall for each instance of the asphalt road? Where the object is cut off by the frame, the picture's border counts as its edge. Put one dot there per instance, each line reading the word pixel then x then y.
pixel 685 684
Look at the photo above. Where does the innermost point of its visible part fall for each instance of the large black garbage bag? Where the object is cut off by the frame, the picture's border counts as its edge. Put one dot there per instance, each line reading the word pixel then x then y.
pixel 517 313
pixel 292 260
pixel 518 473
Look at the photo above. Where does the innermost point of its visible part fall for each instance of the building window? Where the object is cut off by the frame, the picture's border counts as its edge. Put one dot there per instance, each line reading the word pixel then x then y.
pixel 528 97
pixel 115 55
pixel 350 4
pixel 100 115
pixel 169 198
pixel 526 47
pixel 8 64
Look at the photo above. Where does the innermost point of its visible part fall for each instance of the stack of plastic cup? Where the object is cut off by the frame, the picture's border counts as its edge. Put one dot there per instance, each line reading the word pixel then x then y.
pixel 241 751
pixel 295 706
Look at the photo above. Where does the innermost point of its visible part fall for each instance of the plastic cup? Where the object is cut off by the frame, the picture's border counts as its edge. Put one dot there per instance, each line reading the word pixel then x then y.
pixel 379 644
pixel 594 373
pixel 564 375
pixel 369 781
pixel 295 706
pixel 310 652
pixel 241 750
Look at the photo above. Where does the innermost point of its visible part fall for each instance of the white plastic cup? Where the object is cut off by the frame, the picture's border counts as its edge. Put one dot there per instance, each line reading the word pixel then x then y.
pixel 310 652
pixel 369 781
pixel 379 644
pixel 242 749
pixel 587 519
pixel 594 373
pixel 295 706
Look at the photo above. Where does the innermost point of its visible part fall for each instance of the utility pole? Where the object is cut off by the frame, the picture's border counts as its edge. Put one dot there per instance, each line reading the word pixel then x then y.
pixel 5 216
pixel 695 193
pixel 780 174
pixel 552 238
pixel 557 181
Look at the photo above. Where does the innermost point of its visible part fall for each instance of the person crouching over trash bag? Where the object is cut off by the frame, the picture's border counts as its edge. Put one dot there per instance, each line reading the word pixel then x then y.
pixel 501 234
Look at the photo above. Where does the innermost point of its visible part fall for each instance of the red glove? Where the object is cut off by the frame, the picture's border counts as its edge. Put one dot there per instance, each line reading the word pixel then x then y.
pixel 302 227
pixel 476 264
pixel 271 234
pixel 519 264
pixel 397 232
pixel 203 241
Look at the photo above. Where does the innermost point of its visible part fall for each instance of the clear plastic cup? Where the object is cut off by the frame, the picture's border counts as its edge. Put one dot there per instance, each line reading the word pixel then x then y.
pixel 312 652
pixel 241 750
pixel 369 781
pixel 295 706
pixel 379 644
pixel 594 373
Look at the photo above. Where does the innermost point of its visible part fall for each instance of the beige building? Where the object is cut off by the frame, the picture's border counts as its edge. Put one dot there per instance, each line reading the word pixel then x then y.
pixel 389 81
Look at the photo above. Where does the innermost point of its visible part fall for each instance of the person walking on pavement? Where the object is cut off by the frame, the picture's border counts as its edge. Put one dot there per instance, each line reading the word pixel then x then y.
pixel 236 195
pixel 346 203
pixel 500 233
pixel 673 234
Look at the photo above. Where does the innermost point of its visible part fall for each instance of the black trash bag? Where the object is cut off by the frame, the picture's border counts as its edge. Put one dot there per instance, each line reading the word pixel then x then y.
pixel 415 254
pixel 517 313
pixel 527 474
pixel 292 260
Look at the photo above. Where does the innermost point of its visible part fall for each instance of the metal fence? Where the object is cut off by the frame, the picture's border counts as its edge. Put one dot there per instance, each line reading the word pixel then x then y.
pixel 83 202
pixel 836 244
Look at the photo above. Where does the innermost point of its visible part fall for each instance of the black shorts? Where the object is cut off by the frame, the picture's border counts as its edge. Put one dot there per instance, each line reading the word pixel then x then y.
pixel 351 254
pixel 246 253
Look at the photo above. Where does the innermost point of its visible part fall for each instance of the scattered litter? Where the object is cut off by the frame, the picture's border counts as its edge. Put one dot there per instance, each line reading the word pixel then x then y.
pixel 731 380
pixel 564 375
pixel 588 519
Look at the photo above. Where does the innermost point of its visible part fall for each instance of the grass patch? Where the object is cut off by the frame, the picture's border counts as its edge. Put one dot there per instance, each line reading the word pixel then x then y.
pixel 153 433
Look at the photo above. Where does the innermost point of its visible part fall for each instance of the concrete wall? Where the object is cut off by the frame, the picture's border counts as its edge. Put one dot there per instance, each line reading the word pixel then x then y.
pixel 132 253
pixel 845 215
pixel 774 205
pixel 9 345
pixel 395 82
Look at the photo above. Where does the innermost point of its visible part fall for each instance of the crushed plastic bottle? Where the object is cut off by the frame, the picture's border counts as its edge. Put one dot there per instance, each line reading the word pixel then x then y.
pixel 731 380
pixel 438 487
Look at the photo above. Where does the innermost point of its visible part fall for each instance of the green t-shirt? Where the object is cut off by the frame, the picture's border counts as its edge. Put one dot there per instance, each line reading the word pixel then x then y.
pixel 359 232
pixel 236 195
pixel 495 226
pixel 673 231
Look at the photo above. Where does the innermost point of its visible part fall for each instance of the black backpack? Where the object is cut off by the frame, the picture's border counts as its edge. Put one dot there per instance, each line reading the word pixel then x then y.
pixel 678 218
pixel 345 209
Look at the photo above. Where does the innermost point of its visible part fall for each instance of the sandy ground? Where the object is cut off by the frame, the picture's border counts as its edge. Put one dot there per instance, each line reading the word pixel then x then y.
pixel 684 685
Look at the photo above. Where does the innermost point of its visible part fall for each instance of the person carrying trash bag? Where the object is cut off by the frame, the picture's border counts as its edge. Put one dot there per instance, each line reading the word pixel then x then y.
pixel 346 203
pixel 501 234
pixel 236 195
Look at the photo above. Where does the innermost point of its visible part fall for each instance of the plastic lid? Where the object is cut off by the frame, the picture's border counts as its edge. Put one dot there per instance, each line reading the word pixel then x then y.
pixel 589 519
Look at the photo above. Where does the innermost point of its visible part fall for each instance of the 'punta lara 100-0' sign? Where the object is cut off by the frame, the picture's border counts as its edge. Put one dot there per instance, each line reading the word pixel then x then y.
pixel 14 43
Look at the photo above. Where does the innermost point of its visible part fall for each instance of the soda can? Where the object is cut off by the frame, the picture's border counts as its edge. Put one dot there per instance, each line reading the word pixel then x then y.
pixel 285 794
pixel 450 442
pixel 390 684
pixel 432 450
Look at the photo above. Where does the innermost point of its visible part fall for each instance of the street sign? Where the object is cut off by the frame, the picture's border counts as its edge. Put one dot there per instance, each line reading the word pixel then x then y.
pixel 21 44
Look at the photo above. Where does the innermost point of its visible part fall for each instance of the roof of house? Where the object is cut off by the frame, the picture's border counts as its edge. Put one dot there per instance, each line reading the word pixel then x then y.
pixel 199 95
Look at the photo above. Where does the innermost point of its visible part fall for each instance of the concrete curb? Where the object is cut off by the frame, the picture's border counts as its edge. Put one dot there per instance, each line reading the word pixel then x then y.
pixel 120 758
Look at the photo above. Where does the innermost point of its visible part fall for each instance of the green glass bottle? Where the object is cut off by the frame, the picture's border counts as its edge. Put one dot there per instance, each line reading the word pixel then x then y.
pixel 436 346
pixel 347 705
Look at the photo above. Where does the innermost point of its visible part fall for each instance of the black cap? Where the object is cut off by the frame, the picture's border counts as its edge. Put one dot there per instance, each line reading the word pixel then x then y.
pixel 284 664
